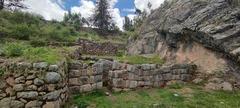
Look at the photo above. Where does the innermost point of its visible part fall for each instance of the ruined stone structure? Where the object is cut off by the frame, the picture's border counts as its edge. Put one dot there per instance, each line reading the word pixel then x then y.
pixel 40 85
pixel 33 85
pixel 93 48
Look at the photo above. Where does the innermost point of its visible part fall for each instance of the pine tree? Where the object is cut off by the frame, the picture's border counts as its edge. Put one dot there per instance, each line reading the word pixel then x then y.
pixel 102 18
pixel 127 24
pixel 74 20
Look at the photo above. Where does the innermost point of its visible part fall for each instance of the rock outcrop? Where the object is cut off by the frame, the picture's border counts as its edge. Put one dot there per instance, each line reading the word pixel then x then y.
pixel 205 32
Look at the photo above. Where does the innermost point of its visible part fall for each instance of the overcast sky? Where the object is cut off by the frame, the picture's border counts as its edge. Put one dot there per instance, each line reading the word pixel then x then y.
pixel 55 9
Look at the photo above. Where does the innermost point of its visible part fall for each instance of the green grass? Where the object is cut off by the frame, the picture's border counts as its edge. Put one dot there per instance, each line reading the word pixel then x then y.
pixel 34 54
pixel 186 97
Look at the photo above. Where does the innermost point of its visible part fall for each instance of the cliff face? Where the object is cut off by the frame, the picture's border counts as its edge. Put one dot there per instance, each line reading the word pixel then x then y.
pixel 201 31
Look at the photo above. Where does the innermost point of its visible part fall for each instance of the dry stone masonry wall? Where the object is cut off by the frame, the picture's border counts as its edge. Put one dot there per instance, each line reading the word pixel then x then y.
pixel 118 76
pixel 40 85
pixel 148 76
pixel 37 85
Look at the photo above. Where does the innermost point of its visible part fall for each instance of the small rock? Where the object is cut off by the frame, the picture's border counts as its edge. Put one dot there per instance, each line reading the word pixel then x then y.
pixel 9 91
pixel 32 88
pixel 18 87
pixel 53 68
pixel 30 77
pixel 23 100
pixel 227 86
pixel 27 95
pixel 34 104
pixel 42 65
pixel 10 81
pixel 212 86
pixel 11 103
pixel 38 82
pixel 55 104
pixel 133 84
pixel 52 96
pixel 29 82
pixel 20 79
pixel 52 77
pixel 197 81
pixel 3 84
pixel 86 88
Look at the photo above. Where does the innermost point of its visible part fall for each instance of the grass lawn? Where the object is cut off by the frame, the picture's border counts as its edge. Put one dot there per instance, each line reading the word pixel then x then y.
pixel 184 97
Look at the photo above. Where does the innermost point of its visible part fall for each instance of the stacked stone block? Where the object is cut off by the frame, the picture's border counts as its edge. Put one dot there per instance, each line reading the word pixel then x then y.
pixel 84 77
pixel 148 75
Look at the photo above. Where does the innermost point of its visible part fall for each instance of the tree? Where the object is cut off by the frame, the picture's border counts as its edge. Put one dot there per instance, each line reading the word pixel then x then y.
pixel 127 24
pixel 11 3
pixel 74 20
pixel 102 18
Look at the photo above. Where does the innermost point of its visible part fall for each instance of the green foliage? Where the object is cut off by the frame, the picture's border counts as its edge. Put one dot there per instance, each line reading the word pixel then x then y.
pixel 175 86
pixel 38 42
pixel 21 32
pixel 33 54
pixel 14 49
pixel 49 55
pixel 25 26
pixel 137 59
pixel 102 18
pixel 187 97
pixel 128 24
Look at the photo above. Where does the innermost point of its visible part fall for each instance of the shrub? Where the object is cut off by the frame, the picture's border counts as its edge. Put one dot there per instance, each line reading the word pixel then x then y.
pixel 21 32
pixel 38 42
pixel 14 49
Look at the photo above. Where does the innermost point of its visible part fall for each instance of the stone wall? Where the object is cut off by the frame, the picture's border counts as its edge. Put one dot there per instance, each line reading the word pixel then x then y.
pixel 40 85
pixel 148 76
pixel 118 76
pixel 93 48
pixel 33 85
pixel 84 77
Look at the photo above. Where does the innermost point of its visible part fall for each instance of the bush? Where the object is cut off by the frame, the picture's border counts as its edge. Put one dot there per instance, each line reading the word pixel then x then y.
pixel 14 49
pixel 21 32
pixel 38 42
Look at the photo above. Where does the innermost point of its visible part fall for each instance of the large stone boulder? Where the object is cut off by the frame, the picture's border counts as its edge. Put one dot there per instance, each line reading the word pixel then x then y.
pixel 184 31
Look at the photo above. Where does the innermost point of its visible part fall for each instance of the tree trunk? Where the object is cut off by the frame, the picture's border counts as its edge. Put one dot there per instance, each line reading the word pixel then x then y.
pixel 1 4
